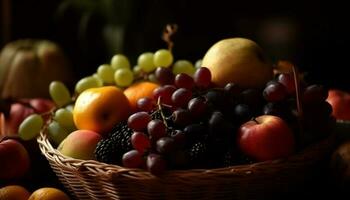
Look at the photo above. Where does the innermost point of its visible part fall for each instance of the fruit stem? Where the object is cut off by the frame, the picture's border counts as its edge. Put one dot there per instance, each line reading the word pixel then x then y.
pixel 297 90
pixel 169 31
pixel 161 112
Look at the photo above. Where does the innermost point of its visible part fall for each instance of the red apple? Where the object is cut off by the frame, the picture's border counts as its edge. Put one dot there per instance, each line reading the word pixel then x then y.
pixel 266 137
pixel 340 102
pixel 15 160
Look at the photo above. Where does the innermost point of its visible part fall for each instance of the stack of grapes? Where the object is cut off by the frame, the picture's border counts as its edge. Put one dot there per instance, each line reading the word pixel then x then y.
pixel 191 123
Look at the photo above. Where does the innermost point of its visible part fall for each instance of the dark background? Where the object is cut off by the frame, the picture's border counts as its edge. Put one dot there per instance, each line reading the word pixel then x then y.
pixel 311 34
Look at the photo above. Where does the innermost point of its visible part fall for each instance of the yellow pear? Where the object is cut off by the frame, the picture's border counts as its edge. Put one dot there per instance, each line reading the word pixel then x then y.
pixel 238 60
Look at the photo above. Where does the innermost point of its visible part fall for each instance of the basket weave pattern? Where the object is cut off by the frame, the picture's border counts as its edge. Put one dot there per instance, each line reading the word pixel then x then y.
pixel 95 180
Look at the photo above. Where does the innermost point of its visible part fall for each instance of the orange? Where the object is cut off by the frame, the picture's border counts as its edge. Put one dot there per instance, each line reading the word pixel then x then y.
pixel 48 193
pixel 14 192
pixel 139 90
pixel 99 109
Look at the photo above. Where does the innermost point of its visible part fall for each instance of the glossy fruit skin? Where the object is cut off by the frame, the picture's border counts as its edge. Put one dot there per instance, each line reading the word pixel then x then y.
pixel 340 102
pixel 15 160
pixel 267 137
pixel 80 144
pixel 99 109
pixel 238 60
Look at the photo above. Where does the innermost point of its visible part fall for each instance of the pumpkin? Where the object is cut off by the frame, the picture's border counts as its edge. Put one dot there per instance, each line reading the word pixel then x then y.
pixel 28 66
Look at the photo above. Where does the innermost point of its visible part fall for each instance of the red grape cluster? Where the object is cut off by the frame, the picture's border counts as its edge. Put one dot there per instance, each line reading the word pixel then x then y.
pixel 190 123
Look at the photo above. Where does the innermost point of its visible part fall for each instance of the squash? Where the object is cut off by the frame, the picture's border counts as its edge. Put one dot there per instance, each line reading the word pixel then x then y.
pixel 28 66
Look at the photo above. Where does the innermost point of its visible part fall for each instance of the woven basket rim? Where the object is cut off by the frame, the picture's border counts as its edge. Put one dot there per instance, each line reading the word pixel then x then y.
pixel 104 169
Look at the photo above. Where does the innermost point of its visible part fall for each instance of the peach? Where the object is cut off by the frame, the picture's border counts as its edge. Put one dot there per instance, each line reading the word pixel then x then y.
pixel 15 160
pixel 80 144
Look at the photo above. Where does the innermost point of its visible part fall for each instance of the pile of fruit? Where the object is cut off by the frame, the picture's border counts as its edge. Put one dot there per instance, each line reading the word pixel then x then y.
pixel 230 108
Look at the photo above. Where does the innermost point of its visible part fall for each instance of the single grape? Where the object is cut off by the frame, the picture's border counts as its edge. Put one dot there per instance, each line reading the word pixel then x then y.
pixel 59 93
pixel 202 77
pixel 274 92
pixel 165 145
pixel 183 66
pixel 287 79
pixel 181 97
pixel 65 118
pixel 138 121
pixel 119 61
pixel 156 164
pixel 232 89
pixel 145 62
pixel 163 58
pixel 30 127
pixel 197 106
pixel 106 73
pixel 164 93
pixel 140 142
pixel 132 159
pixel 164 75
pixel 137 71
pixel 216 98
pixel 56 132
pixel 252 97
pixel 183 80
pixel 145 104
pixel 182 117
pixel 217 124
pixel 156 129
pixel 86 83
pixel 314 93
pixel 123 77
pixel 242 113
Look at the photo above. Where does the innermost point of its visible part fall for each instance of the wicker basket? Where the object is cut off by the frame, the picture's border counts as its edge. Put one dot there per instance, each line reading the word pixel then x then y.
pixel 95 180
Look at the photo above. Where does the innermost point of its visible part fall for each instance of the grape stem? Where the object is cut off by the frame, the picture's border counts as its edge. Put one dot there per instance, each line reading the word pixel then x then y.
pixel 161 112
pixel 170 30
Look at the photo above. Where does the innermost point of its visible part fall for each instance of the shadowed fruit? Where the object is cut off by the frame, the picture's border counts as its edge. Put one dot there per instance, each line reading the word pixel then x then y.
pixel 240 61
pixel 99 109
pixel 14 159
pixel 48 193
pixel 138 91
pixel 80 144
pixel 14 192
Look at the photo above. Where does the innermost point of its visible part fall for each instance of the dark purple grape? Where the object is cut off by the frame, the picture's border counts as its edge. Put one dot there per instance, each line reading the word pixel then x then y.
pixel 197 106
pixel 202 77
pixel 164 75
pixel 140 142
pixel 195 132
pixel 156 129
pixel 275 92
pixel 156 164
pixel 138 121
pixel 166 145
pixel 314 93
pixel 179 138
pixel 287 79
pixel 242 113
pixel 183 80
pixel 181 97
pixel 164 93
pixel 132 159
pixel 232 89
pixel 182 117
pixel 145 104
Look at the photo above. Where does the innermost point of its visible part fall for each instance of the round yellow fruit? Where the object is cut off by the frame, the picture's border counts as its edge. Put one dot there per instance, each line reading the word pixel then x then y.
pixel 48 193
pixel 238 60
pixel 99 109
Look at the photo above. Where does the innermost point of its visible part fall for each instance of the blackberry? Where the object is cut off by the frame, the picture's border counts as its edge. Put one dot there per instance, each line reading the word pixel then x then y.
pixel 198 153
pixel 112 149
